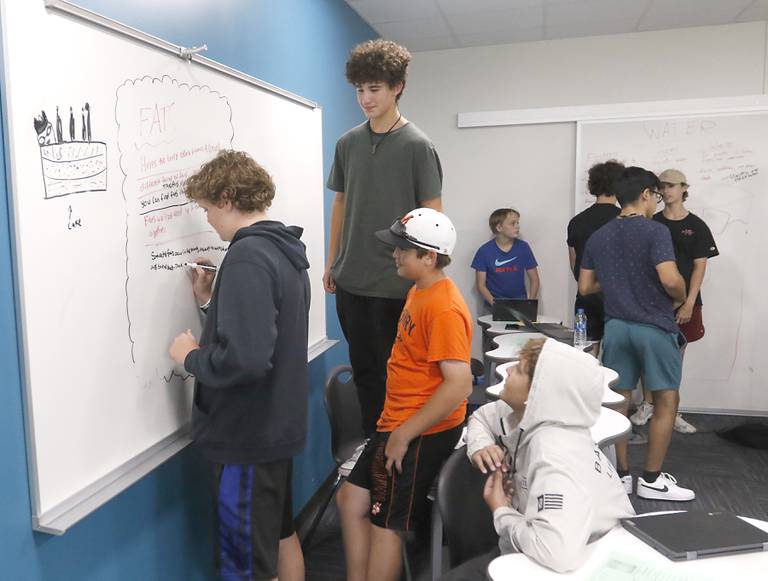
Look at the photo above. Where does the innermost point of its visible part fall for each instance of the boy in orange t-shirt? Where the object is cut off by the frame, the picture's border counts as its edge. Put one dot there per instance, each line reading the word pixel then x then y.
pixel 428 381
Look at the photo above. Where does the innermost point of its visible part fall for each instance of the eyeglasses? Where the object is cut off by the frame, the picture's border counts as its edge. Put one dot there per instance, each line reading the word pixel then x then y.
pixel 398 229
pixel 658 194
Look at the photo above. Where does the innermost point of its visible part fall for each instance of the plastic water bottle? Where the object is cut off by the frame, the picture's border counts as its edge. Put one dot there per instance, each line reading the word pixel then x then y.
pixel 580 329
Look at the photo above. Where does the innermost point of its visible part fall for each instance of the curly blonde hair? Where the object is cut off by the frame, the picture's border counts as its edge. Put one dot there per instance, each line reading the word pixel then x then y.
pixel 233 176
pixel 378 61
pixel 529 355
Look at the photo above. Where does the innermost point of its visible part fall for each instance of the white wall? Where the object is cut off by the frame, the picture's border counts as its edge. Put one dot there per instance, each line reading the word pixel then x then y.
pixel 531 167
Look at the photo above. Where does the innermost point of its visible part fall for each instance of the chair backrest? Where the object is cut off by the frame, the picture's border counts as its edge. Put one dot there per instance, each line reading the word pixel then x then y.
pixel 467 519
pixel 343 409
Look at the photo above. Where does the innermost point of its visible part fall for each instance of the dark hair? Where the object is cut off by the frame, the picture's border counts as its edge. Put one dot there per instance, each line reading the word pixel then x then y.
pixel 633 182
pixel 442 260
pixel 603 176
pixel 233 176
pixel 381 61
pixel 497 217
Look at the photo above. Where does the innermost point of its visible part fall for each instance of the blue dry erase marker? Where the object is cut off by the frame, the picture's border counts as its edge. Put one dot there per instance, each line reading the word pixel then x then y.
pixel 203 266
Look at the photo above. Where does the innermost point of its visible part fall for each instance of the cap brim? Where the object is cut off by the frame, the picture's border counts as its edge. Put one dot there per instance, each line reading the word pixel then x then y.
pixel 393 241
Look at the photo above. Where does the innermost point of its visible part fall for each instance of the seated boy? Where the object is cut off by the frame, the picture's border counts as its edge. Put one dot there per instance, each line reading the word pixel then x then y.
pixel 428 381
pixel 250 368
pixel 551 489
pixel 502 263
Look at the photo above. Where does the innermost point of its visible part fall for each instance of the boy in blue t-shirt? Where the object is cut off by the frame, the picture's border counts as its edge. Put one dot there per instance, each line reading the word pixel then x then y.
pixel 502 263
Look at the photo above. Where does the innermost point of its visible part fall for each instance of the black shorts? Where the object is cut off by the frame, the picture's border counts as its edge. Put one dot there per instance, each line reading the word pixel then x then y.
pixel 253 513
pixel 399 500
pixel 595 312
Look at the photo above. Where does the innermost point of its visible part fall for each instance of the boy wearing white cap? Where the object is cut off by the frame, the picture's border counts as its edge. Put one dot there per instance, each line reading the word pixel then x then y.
pixel 428 381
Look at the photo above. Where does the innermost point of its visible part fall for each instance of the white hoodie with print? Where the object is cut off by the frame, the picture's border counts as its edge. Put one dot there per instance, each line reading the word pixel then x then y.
pixel 566 492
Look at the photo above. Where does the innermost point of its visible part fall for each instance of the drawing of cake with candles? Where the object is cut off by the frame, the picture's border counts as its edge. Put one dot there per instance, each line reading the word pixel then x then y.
pixel 73 166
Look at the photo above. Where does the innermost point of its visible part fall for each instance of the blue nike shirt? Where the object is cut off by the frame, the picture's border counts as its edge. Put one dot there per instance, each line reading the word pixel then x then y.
pixel 505 271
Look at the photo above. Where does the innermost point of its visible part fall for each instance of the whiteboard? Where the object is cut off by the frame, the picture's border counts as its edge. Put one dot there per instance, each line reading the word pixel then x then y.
pixel 725 158
pixel 102 132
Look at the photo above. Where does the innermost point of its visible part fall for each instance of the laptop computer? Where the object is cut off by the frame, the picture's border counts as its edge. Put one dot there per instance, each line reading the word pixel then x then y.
pixel 683 536
pixel 503 309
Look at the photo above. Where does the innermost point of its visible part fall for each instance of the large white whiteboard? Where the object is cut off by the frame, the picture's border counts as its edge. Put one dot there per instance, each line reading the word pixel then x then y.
pixel 725 158
pixel 102 230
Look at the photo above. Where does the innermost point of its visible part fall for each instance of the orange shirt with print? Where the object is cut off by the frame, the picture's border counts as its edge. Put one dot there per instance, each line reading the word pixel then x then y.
pixel 435 326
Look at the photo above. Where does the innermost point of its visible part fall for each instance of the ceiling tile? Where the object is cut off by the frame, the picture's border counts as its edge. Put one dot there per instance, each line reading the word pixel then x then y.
pixel 758 10
pixel 591 28
pixel 593 11
pixel 419 44
pixel 375 11
pixel 497 21
pixel 427 27
pixel 502 37
pixel 665 14
pixel 472 6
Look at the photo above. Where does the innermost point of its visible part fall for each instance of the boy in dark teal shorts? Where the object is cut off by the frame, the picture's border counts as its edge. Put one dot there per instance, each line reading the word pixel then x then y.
pixel 632 262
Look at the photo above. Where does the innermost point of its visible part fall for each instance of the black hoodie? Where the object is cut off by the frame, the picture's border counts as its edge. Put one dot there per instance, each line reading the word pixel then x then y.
pixel 251 386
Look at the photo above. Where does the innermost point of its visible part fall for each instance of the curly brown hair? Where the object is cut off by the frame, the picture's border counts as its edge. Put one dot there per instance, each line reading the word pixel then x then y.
pixel 529 355
pixel 234 176
pixel 378 60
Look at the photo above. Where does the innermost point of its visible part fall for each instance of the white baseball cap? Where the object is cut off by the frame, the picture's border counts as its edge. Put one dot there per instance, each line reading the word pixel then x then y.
pixel 421 228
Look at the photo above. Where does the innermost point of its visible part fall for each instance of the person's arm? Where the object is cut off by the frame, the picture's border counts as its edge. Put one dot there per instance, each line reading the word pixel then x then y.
pixel 533 282
pixel 483 429
pixel 671 280
pixel 433 203
pixel 697 277
pixel 555 528
pixel 456 387
pixel 480 276
pixel 334 242
pixel 246 330
pixel 588 283
pixel 572 261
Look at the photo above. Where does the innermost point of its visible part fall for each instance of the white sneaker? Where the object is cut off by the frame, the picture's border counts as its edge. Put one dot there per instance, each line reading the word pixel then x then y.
pixel 663 488
pixel 627 482
pixel 642 415
pixel 348 464
pixel 682 426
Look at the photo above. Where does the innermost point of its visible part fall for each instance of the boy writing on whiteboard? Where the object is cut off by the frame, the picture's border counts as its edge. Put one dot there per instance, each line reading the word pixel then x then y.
pixel 250 368
pixel 428 381
pixel 694 245
pixel 503 263
pixel 381 169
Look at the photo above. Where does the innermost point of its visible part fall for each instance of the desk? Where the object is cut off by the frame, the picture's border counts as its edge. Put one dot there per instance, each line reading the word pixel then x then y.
pixel 494 328
pixel 508 346
pixel 749 566
pixel 611 399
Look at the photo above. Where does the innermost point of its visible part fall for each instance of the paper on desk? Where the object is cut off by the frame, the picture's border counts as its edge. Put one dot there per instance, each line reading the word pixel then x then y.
pixel 625 567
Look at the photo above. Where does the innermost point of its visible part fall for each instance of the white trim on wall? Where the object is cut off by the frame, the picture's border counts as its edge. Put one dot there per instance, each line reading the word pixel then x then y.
pixel 604 112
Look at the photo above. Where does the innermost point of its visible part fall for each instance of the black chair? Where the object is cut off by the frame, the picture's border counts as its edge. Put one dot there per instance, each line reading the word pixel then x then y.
pixel 467 520
pixel 346 420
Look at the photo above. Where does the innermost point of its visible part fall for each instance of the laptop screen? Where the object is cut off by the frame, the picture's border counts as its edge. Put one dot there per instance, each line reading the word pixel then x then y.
pixel 503 309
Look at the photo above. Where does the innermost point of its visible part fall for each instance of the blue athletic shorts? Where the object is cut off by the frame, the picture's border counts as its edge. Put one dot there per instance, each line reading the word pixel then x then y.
pixel 253 514
pixel 636 350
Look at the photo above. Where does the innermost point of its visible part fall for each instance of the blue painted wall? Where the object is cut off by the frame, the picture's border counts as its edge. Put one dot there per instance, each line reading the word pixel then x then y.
pixel 160 527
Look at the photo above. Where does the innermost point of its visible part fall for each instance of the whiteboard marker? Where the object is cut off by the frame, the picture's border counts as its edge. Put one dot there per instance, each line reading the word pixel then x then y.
pixel 203 266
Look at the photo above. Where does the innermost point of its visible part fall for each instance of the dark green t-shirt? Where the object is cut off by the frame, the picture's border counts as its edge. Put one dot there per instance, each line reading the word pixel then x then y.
pixel 378 188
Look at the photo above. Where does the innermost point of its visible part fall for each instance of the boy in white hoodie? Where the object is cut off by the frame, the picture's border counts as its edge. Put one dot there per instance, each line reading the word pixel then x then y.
pixel 552 491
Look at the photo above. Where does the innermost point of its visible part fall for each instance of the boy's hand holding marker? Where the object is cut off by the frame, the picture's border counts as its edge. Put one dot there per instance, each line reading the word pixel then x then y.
pixel 203 273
